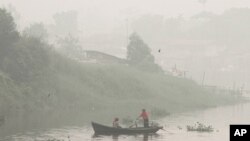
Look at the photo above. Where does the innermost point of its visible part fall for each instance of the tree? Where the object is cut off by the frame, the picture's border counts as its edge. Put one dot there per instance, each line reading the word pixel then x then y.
pixel 139 54
pixel 22 58
pixel 8 34
pixel 70 46
pixel 28 60
pixel 36 30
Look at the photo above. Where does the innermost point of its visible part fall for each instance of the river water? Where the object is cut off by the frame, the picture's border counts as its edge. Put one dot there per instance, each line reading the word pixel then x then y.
pixel 175 128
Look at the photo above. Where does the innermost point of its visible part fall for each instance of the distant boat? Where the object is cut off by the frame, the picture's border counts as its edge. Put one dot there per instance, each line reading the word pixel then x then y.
pixel 103 129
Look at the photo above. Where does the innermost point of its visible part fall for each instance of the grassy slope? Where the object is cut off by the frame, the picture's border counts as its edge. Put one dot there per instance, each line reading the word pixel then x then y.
pixel 40 88
pixel 69 93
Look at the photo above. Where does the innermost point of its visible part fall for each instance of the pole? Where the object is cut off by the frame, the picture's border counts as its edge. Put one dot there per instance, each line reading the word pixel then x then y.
pixel 203 78
pixel 126 32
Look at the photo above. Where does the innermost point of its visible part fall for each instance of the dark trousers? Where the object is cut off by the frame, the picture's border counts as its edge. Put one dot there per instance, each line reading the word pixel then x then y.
pixel 146 124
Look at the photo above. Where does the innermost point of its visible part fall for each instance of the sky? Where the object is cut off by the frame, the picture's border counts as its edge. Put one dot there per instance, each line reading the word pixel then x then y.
pixel 115 11
pixel 110 16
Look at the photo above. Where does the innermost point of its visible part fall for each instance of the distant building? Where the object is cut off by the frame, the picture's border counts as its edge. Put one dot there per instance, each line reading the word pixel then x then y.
pixel 101 58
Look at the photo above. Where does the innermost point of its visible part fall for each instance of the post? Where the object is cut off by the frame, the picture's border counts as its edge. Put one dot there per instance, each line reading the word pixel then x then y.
pixel 203 78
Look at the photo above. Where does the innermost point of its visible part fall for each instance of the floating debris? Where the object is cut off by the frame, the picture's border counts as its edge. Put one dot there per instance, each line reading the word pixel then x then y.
pixel 200 128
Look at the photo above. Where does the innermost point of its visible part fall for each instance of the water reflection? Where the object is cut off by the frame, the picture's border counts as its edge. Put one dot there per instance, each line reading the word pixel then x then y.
pixel 116 137
pixel 145 137
pixel 175 128
pixel 150 137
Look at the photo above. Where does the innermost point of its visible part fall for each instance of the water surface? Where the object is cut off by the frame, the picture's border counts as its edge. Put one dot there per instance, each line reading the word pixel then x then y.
pixel 175 128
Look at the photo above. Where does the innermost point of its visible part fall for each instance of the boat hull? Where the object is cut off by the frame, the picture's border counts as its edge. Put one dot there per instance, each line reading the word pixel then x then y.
pixel 102 129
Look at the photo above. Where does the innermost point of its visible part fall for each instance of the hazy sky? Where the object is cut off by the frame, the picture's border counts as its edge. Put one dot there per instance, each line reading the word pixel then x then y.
pixel 109 16
pixel 115 11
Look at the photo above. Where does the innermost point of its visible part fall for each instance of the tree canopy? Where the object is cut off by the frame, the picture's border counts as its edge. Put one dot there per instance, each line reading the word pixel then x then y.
pixel 8 33
pixel 36 30
pixel 139 54
pixel 21 57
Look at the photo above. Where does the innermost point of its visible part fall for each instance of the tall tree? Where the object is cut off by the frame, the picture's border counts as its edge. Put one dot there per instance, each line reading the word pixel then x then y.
pixel 139 54
pixel 70 46
pixel 36 30
pixel 8 33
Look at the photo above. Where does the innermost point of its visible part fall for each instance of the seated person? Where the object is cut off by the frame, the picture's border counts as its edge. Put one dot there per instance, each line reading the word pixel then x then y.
pixel 116 123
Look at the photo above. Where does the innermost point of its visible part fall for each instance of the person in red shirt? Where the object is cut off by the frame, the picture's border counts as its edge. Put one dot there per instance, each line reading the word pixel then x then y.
pixel 144 116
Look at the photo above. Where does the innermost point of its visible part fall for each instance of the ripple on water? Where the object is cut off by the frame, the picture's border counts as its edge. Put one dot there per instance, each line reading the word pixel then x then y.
pixel 175 128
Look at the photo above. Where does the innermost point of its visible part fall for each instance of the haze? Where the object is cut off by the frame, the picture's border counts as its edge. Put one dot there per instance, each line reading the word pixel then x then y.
pixel 67 63
pixel 109 22
pixel 108 11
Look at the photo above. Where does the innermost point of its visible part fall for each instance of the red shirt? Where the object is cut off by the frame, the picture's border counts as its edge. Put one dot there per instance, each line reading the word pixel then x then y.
pixel 144 115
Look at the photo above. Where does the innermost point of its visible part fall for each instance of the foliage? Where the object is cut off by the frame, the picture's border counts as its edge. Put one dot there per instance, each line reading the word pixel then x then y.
pixel 36 30
pixel 22 57
pixel 26 60
pixel 8 34
pixel 70 46
pixel 138 51
pixel 39 87
pixel 139 54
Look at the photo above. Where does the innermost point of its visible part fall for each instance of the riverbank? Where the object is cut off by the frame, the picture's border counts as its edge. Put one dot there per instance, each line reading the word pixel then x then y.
pixel 80 93
pixel 42 88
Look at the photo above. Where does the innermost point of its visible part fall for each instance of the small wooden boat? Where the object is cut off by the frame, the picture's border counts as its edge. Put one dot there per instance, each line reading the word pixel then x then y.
pixel 103 129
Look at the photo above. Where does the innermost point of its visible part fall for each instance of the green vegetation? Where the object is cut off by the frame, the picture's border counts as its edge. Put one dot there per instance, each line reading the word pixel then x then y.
pixel 41 88
pixel 139 55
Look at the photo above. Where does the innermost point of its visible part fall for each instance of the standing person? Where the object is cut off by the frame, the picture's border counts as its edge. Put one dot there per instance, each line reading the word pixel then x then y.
pixel 144 116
